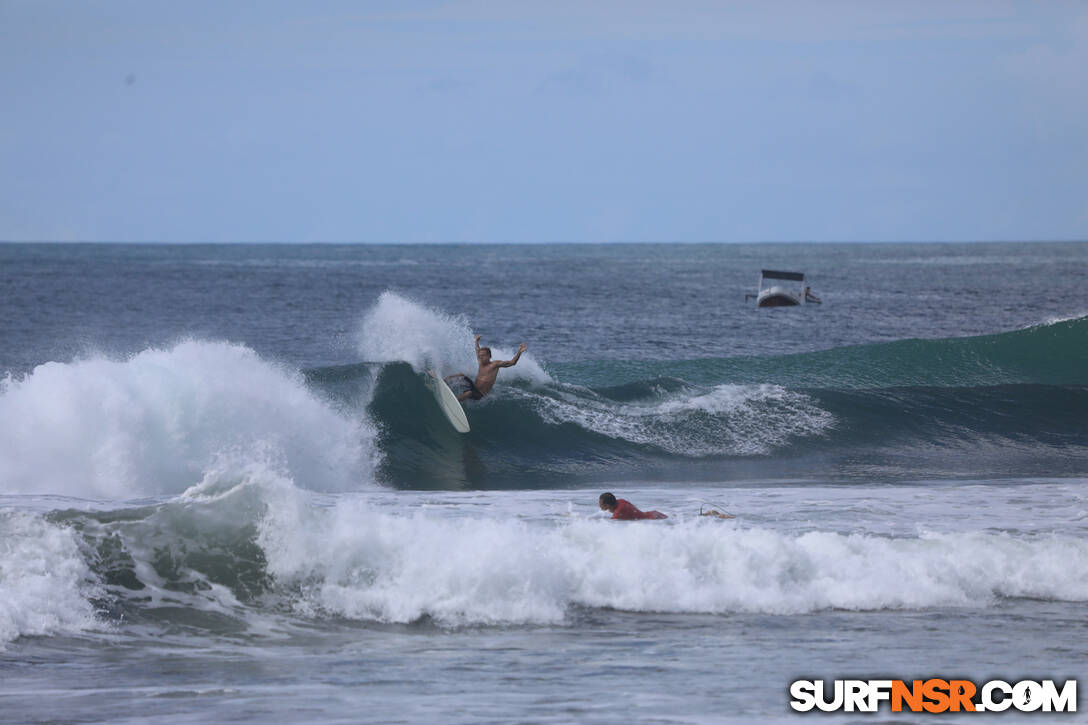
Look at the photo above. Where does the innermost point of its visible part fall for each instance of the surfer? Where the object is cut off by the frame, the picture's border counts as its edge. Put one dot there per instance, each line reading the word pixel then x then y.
pixel 625 510
pixel 485 376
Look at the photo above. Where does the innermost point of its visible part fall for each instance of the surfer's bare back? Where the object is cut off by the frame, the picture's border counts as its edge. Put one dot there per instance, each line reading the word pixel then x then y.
pixel 485 376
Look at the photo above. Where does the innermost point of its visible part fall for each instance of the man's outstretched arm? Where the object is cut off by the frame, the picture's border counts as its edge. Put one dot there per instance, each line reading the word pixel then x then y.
pixel 512 363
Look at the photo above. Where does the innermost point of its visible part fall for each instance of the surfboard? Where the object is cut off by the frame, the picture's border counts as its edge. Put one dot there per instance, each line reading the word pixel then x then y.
pixel 447 402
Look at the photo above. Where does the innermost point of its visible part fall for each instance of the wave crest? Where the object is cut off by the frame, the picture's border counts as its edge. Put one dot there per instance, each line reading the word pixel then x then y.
pixel 151 424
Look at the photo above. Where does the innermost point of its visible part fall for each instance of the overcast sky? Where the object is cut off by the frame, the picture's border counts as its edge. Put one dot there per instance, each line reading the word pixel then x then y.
pixel 500 121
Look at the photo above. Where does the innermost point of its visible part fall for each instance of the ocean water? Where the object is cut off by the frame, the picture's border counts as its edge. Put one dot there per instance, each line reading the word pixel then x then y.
pixel 227 495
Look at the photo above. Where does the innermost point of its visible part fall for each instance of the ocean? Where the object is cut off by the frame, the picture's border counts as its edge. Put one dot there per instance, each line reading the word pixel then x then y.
pixel 227 495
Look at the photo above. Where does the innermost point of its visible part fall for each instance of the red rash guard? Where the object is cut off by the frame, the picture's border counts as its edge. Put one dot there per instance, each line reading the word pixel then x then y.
pixel 626 511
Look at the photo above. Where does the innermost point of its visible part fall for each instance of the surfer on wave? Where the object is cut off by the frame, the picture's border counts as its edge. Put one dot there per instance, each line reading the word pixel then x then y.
pixel 625 510
pixel 485 376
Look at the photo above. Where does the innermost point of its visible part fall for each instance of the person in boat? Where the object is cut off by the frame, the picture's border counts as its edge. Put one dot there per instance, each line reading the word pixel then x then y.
pixel 486 375
pixel 624 510
pixel 809 297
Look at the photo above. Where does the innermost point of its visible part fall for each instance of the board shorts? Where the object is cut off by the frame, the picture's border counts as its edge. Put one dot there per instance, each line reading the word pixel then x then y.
pixel 464 384
pixel 476 394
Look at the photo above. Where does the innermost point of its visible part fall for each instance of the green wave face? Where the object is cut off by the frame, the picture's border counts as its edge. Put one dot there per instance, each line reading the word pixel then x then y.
pixel 1051 354
pixel 1009 404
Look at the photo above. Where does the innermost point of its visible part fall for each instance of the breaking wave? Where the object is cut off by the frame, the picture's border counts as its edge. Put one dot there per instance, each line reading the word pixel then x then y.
pixel 152 423
pixel 246 547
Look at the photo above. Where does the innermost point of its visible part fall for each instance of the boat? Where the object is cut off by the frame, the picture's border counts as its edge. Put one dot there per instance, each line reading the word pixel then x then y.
pixel 779 295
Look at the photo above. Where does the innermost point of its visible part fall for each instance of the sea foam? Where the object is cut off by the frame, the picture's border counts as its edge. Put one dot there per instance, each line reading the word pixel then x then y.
pixel 246 546
pixel 152 423
pixel 358 562
pixel 397 329
pixel 724 420
pixel 45 584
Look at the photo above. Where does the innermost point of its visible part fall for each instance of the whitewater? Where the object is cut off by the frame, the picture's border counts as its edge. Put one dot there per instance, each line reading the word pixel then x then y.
pixel 240 505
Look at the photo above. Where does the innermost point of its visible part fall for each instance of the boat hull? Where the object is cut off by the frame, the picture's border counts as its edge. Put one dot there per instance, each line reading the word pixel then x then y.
pixel 777 297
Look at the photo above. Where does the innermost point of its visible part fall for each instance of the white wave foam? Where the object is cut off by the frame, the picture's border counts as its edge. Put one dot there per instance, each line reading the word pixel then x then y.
pixel 397 329
pixel 358 562
pixel 729 419
pixel 151 424
pixel 44 583
pixel 1056 320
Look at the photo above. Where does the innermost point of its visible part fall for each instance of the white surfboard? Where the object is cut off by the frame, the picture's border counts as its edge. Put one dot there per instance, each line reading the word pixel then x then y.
pixel 447 402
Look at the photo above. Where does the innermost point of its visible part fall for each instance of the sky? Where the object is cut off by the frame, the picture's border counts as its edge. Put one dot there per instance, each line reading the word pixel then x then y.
pixel 549 121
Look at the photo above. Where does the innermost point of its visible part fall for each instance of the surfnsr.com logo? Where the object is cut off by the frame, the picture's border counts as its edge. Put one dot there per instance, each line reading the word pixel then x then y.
pixel 933 695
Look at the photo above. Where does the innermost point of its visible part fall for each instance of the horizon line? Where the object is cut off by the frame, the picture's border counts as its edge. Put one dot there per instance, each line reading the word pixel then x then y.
pixel 539 243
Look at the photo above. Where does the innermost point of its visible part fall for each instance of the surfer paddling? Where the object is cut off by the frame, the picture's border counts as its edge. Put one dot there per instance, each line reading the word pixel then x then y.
pixel 486 375
pixel 624 510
